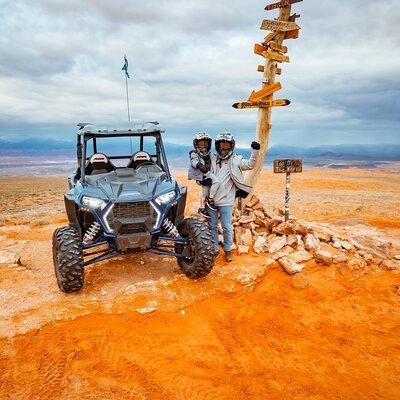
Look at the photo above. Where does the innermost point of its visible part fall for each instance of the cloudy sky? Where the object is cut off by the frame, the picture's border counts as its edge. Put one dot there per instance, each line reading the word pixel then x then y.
pixel 190 60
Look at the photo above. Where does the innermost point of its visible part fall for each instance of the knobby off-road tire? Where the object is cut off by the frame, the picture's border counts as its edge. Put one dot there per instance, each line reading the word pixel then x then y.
pixel 199 235
pixel 68 259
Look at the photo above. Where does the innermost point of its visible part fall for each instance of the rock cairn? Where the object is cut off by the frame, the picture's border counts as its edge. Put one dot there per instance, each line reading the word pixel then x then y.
pixel 262 229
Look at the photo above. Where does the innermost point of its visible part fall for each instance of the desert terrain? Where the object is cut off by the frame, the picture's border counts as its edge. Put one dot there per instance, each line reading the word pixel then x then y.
pixel 140 329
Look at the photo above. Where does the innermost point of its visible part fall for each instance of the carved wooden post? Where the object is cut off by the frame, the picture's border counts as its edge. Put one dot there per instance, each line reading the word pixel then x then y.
pixel 273 51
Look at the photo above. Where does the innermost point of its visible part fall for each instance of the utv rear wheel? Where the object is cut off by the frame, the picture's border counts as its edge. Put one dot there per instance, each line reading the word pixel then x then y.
pixel 68 259
pixel 199 251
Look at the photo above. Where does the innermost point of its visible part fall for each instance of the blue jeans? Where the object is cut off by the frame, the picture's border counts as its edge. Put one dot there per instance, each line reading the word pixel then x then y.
pixel 225 212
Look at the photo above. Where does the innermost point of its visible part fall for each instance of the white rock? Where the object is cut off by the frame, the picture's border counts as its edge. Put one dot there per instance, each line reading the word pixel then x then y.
pixel 242 249
pixel 311 242
pixel 290 266
pixel 246 238
pixel 336 243
pixel 300 256
pixel 340 258
pixel 347 246
pixel 397 257
pixel 246 219
pixel 260 245
pixel 324 257
pixel 145 310
pixel 356 263
pixel 277 244
pixel 9 257
pixel 391 265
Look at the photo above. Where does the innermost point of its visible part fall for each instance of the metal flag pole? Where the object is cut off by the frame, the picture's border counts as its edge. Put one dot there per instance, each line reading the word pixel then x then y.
pixel 125 69
pixel 127 99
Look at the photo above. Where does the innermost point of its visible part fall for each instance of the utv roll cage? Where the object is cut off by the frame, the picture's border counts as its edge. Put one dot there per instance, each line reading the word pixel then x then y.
pixel 84 137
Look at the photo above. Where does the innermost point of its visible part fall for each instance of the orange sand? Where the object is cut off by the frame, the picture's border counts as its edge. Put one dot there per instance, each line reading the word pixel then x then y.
pixel 224 337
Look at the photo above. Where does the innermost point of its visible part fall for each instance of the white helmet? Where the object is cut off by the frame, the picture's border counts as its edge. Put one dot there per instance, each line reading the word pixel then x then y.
pixel 225 145
pixel 202 150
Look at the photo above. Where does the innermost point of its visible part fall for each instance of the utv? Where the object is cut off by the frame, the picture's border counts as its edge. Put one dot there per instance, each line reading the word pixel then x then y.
pixel 136 206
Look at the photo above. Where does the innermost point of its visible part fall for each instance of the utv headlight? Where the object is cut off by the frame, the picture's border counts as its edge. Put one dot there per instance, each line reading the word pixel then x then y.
pixel 93 202
pixel 166 197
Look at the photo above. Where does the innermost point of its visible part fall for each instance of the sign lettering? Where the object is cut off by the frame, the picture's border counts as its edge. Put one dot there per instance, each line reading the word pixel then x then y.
pixel 281 26
pixel 262 104
pixel 288 166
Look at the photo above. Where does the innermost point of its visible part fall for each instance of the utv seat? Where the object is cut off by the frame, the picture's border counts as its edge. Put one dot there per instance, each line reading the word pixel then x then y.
pixel 99 163
pixel 140 158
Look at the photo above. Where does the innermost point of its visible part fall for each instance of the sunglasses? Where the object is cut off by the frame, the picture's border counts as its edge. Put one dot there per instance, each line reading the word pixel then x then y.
pixel 225 145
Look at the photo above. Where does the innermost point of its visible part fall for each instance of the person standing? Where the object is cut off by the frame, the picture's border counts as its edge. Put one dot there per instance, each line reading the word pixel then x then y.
pixel 199 170
pixel 228 168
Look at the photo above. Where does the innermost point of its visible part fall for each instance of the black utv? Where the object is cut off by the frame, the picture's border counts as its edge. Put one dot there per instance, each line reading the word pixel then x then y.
pixel 126 203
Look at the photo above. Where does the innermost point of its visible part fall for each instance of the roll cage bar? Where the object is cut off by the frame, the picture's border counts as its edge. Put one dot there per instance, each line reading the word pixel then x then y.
pixel 84 137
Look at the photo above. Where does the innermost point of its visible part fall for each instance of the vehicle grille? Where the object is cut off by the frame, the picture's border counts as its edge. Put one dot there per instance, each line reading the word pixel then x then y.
pixel 121 210
pixel 131 217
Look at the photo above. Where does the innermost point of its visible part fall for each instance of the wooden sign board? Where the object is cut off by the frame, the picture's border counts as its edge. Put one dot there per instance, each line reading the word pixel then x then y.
pixel 288 166
pixel 257 96
pixel 262 104
pixel 283 3
pixel 292 34
pixel 278 71
pixel 269 37
pixel 277 47
pixel 259 49
pixel 281 26
pixel 261 68
pixel 273 55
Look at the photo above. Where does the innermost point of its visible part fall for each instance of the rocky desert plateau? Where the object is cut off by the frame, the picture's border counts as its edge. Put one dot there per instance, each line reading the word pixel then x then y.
pixel 308 309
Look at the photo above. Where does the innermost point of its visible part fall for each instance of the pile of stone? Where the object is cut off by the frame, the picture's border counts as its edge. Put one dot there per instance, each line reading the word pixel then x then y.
pixel 262 229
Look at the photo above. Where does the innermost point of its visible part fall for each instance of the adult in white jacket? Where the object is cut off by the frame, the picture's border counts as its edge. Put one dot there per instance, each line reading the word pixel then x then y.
pixel 228 168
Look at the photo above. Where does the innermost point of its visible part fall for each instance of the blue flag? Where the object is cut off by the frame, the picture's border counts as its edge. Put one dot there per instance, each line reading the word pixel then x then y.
pixel 125 67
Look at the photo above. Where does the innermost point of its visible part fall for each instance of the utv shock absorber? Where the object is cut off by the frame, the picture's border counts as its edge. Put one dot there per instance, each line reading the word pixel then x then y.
pixel 92 232
pixel 170 228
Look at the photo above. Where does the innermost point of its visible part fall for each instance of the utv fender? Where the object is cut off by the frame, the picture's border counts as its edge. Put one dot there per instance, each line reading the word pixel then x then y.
pixel 180 208
pixel 71 209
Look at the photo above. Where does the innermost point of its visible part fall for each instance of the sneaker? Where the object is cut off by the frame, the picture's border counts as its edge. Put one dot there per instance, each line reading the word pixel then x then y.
pixel 210 203
pixel 228 256
pixel 203 212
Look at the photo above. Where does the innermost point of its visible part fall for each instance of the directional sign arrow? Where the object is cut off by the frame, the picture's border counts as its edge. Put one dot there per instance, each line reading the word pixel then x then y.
pixel 281 26
pixel 266 91
pixel 281 4
pixel 262 104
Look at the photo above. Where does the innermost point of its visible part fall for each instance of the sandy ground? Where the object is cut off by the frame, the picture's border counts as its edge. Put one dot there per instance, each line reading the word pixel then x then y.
pixel 248 330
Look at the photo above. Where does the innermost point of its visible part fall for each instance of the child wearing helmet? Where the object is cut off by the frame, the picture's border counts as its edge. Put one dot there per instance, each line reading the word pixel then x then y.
pixel 199 170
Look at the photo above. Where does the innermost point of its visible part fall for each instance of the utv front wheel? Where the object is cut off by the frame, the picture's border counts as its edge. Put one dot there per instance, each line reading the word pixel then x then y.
pixel 68 259
pixel 198 260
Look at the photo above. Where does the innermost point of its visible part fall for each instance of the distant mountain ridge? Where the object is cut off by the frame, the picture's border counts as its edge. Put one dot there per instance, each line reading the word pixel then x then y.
pixel 378 152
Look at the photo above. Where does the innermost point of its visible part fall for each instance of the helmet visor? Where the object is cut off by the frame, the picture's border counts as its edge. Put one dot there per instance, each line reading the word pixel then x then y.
pixel 225 145
pixel 204 143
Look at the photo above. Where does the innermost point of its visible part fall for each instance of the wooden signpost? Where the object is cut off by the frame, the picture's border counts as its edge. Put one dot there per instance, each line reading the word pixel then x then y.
pixel 262 104
pixel 287 167
pixel 273 51
pixel 281 26
pixel 281 4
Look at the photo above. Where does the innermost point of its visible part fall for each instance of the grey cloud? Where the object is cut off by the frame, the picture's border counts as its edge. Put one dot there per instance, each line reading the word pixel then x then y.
pixel 190 60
